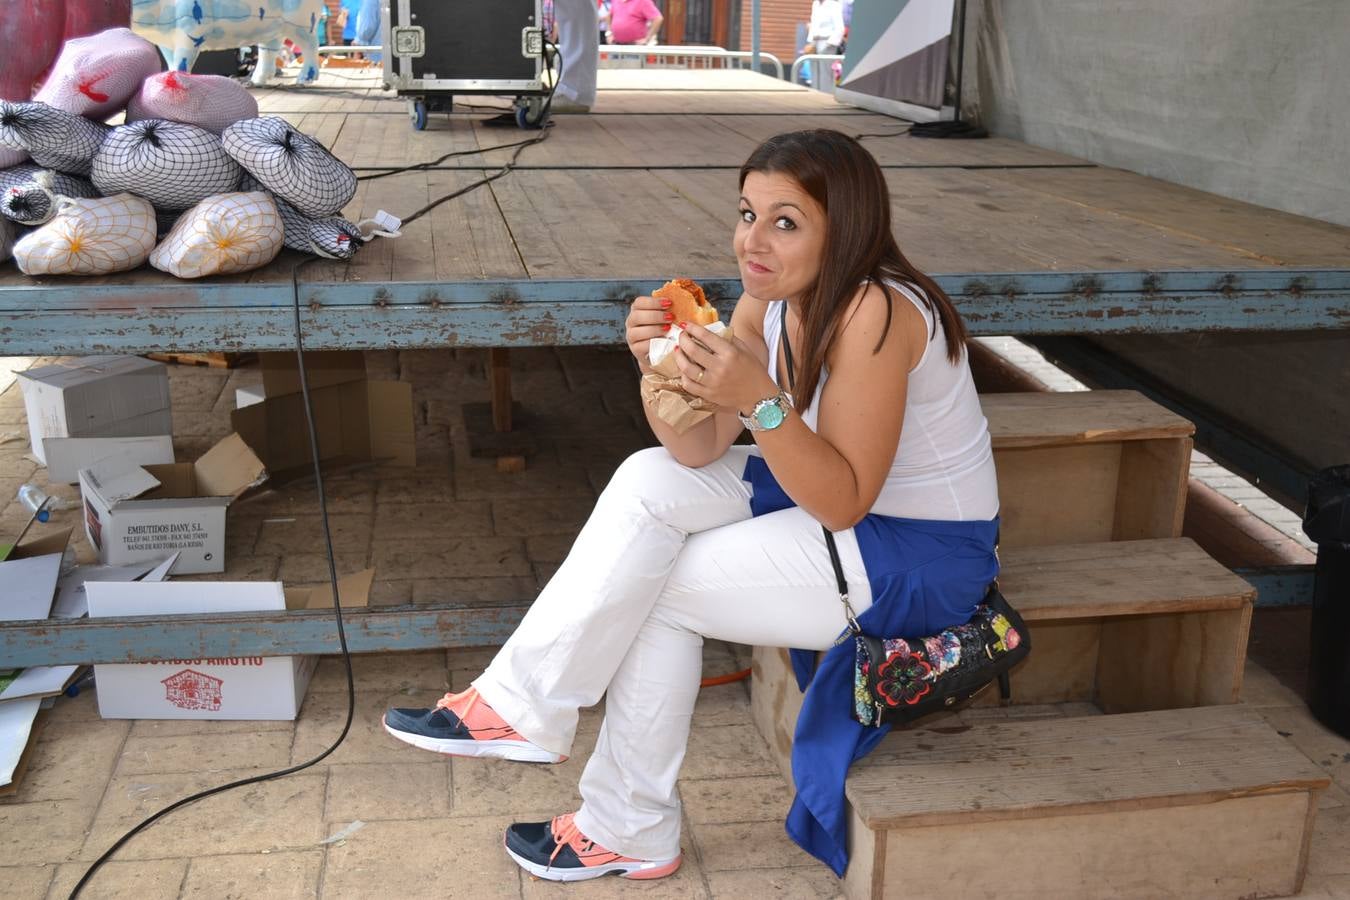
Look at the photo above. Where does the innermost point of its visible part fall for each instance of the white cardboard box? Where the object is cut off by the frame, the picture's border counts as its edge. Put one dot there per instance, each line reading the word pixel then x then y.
pixel 134 513
pixel 96 396
pixel 242 687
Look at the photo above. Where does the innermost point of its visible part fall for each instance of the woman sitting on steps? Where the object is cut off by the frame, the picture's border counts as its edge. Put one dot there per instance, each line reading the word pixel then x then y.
pixel 849 367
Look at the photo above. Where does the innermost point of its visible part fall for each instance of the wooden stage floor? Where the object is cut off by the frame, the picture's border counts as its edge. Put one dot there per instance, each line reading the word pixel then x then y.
pixel 644 188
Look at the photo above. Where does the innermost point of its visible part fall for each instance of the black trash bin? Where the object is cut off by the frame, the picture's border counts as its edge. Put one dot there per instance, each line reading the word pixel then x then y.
pixel 1327 521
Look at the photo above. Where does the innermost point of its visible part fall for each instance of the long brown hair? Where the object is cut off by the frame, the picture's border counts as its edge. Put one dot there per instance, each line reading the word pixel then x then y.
pixel 846 181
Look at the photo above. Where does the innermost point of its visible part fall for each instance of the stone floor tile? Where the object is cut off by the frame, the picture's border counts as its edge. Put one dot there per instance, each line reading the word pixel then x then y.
pixel 304 533
pixel 46 831
pixel 748 845
pixel 321 721
pixel 688 882
pixel 83 707
pixel 374 791
pixel 719 801
pixel 475 591
pixel 250 876
pixel 1326 887
pixel 804 883
pixel 549 548
pixel 301 568
pixel 722 704
pixel 541 515
pixel 1330 851
pixel 478 479
pixel 471 660
pixel 543 573
pixel 485 787
pixel 385 673
pixel 406 489
pixel 1260 688
pixel 395 521
pixel 26 882
pixel 389 593
pixel 190 753
pixel 448 556
pixel 151 879
pixel 72 760
pixel 285 813
pixel 727 751
pixel 428 859
pixel 162 728
pixel 342 496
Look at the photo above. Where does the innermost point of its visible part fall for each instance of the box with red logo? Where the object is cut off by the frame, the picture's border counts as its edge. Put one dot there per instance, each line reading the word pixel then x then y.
pixel 232 687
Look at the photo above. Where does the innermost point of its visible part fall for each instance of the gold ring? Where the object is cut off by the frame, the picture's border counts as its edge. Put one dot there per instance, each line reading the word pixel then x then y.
pixel 699 376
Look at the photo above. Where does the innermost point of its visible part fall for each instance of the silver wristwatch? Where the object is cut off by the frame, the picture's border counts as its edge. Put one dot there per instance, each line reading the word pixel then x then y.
pixel 769 413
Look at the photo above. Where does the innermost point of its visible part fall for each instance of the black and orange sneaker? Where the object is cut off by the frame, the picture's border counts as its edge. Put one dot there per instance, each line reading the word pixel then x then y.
pixel 558 851
pixel 464 725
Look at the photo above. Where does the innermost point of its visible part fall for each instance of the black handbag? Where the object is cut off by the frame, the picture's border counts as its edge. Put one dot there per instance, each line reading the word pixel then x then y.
pixel 899 680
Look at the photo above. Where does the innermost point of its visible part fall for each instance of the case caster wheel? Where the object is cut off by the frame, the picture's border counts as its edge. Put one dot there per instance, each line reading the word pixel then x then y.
pixel 417 110
pixel 530 112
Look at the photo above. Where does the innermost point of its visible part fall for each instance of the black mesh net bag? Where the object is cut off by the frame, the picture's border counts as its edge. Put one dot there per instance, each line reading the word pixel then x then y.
pixel 6 239
pixel 171 164
pixel 293 166
pixel 330 236
pixel 28 193
pixel 54 138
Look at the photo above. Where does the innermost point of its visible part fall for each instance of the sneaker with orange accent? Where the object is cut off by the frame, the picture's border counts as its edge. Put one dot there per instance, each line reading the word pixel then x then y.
pixel 464 725
pixel 558 851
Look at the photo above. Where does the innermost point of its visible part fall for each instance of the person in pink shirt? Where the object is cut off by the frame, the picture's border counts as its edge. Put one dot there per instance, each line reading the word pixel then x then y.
pixel 634 21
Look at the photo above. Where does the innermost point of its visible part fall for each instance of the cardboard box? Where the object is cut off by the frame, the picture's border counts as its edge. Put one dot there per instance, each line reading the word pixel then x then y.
pixel 96 396
pixel 67 456
pixel 253 687
pixel 323 368
pixel 355 420
pixel 134 513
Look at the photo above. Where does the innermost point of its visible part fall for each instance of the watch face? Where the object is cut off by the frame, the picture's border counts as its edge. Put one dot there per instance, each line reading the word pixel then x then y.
pixel 770 416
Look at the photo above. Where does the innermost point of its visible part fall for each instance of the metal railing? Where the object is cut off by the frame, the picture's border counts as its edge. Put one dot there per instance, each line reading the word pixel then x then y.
pixel 730 58
pixel 812 57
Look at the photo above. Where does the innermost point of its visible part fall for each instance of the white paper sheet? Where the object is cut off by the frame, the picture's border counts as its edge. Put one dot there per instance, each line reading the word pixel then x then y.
pixel 38 681
pixel 29 586
pixel 71 602
pixel 16 724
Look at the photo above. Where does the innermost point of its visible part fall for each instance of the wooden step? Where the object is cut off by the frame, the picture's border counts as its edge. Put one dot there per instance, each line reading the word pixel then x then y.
pixel 1209 802
pixel 1126 625
pixel 1087 466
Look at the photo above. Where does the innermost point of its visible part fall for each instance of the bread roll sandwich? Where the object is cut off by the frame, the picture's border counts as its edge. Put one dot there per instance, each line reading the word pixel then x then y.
pixel 687 302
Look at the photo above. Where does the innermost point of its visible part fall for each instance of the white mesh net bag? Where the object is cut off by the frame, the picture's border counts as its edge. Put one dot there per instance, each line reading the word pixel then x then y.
pixel 171 164
pixel 54 138
pixel 30 195
pixel 90 237
pixel 294 166
pixel 229 233
pixel 95 76
pixel 212 102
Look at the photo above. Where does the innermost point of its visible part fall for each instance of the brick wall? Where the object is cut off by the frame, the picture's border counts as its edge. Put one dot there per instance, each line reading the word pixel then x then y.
pixel 778 20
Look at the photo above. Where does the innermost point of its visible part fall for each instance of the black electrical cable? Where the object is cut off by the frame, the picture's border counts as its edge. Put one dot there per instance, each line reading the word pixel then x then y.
pixel 386 171
pixel 337 609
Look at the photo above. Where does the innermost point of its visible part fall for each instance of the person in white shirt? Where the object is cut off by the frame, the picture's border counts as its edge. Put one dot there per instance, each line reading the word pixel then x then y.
pixel 825 35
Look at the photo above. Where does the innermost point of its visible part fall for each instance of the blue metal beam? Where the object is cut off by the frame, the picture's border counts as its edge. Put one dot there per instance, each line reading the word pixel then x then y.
pixel 116 317
pixel 1281 585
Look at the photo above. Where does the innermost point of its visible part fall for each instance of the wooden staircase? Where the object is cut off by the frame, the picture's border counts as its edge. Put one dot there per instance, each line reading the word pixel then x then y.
pixel 1164 787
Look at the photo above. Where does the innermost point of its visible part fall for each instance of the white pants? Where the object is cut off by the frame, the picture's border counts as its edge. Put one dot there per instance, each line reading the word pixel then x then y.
pixel 669 556
pixel 579 45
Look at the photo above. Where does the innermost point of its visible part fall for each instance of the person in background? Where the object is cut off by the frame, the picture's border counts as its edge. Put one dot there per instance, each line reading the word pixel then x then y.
pixel 347 19
pixel 825 35
pixel 635 21
pixel 602 14
pixel 578 36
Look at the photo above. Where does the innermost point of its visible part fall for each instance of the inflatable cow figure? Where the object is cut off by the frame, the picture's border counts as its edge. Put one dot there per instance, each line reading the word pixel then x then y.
pixel 184 28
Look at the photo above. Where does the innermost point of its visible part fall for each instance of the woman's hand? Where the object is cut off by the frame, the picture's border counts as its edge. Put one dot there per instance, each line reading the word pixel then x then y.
pixel 648 318
pixel 721 371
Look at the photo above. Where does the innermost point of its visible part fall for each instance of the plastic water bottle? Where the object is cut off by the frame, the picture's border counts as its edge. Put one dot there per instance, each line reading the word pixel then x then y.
pixel 33 497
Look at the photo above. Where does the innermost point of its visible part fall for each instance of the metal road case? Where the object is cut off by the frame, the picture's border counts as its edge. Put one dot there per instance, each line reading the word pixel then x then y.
pixel 436 49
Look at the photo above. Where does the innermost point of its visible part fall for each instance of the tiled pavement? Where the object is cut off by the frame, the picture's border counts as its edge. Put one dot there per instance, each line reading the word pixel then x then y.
pixel 379 819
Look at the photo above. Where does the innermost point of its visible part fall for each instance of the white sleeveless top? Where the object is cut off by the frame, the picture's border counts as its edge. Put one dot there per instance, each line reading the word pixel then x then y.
pixel 944 465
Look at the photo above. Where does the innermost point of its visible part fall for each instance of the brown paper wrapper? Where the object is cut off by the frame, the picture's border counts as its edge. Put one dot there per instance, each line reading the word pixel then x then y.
pixel 661 391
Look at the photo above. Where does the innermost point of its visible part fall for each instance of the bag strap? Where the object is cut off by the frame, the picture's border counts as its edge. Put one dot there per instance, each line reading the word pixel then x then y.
pixel 839 578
